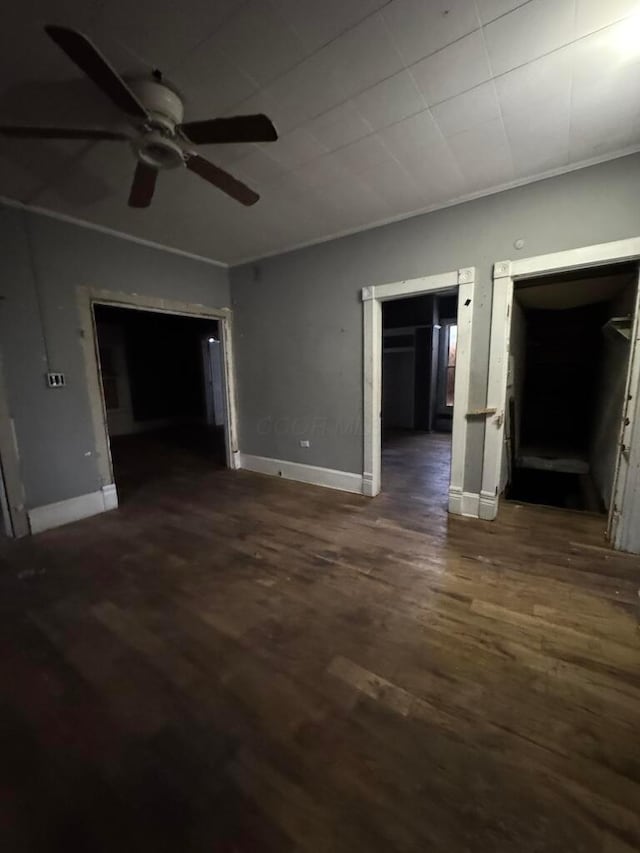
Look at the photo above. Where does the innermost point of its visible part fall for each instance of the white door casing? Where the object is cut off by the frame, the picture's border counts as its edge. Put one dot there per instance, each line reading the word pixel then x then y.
pixel 496 389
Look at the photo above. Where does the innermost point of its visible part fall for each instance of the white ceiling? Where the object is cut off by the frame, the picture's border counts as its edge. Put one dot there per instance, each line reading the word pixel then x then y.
pixel 384 108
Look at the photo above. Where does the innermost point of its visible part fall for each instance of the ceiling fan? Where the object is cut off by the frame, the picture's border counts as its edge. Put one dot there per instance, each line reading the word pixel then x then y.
pixel 160 139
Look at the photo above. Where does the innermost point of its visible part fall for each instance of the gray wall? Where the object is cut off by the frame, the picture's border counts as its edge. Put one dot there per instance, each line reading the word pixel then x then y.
pixel 43 261
pixel 298 316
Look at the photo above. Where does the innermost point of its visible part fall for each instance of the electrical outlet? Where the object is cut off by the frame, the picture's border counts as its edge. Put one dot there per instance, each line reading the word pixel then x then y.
pixel 304 442
pixel 56 380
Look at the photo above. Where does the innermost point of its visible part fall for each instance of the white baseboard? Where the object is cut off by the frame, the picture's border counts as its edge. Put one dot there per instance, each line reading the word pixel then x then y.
pixel 110 496
pixel 367 485
pixel 455 501
pixel 470 504
pixel 464 503
pixel 312 474
pixel 488 506
pixel 73 509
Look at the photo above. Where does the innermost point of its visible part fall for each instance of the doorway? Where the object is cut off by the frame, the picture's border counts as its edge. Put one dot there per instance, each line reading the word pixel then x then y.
pixel 215 323
pixel 456 283
pixel 583 263
pixel 568 360
pixel 162 400
pixel 419 344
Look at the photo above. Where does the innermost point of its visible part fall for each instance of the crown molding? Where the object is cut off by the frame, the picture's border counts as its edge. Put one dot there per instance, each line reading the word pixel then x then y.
pixel 510 185
pixel 104 229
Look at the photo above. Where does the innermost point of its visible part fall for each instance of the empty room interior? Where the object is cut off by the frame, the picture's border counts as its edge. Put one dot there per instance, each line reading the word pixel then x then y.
pixel 418 381
pixel 320 426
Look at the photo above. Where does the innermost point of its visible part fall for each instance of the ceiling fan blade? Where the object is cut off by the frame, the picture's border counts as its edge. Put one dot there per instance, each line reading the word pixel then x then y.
pixel 89 59
pixel 221 179
pixel 254 128
pixel 144 183
pixel 30 132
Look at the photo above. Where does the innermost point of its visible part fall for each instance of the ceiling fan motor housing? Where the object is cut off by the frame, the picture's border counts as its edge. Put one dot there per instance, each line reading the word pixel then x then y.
pixel 162 103
pixel 157 146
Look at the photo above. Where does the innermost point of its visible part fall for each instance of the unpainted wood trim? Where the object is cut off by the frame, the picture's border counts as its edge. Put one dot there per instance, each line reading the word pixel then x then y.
pixel 89 343
pixel 5 515
pixel 89 296
pixel 153 303
pixel 10 460
pixel 230 392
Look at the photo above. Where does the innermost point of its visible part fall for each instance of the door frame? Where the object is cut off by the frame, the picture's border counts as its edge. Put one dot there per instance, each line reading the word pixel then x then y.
pixel 214 384
pixel 13 498
pixel 621 535
pixel 87 298
pixel 372 298
pixel 505 273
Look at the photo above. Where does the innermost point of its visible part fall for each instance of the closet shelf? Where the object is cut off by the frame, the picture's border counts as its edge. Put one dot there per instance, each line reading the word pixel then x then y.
pixel 619 325
pixel 564 460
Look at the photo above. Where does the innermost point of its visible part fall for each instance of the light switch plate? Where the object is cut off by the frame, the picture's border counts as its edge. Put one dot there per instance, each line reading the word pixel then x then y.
pixel 56 380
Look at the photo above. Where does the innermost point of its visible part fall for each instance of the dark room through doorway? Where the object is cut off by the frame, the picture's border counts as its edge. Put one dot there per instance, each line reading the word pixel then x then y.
pixel 568 361
pixel 164 399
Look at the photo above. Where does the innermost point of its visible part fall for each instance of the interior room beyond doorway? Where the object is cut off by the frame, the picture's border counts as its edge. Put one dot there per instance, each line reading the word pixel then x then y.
pixel 162 384
pixel 418 380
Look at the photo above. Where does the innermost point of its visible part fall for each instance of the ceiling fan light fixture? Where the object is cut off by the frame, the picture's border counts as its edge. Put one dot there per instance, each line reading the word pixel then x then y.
pixel 156 149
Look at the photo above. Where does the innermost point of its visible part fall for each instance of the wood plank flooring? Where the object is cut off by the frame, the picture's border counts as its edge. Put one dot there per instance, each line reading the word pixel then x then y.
pixel 233 662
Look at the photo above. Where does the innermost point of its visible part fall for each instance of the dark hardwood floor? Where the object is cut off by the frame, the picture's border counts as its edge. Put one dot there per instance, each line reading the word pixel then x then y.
pixel 144 459
pixel 416 468
pixel 233 662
